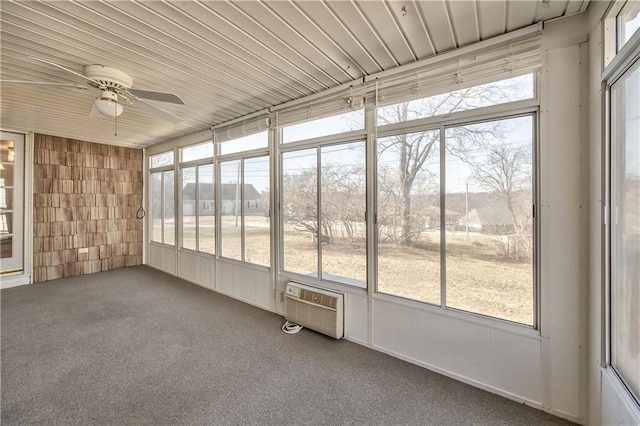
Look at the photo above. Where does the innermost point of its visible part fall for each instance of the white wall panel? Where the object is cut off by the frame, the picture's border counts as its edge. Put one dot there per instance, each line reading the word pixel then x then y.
pixel 595 213
pixel 503 361
pixel 561 214
pixel 197 268
pixel 356 318
pixel 245 283
pixel 162 258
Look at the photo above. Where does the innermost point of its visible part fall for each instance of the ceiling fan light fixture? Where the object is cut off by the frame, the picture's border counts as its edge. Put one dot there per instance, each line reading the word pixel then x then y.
pixel 107 104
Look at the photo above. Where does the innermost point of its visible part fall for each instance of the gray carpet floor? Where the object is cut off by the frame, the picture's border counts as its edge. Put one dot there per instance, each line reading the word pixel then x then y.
pixel 137 346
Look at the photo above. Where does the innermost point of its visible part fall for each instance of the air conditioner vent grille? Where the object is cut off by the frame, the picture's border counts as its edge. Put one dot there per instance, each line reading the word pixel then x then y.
pixel 319 310
pixel 319 298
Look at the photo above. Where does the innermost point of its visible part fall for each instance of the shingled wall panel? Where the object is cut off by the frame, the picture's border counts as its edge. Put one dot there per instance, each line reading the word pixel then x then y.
pixel 86 195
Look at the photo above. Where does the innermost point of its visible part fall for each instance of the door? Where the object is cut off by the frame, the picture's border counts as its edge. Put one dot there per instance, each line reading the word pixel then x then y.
pixel 11 202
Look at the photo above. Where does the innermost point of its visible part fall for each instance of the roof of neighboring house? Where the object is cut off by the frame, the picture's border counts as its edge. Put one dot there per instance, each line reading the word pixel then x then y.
pixel 228 190
pixel 434 211
pixel 490 216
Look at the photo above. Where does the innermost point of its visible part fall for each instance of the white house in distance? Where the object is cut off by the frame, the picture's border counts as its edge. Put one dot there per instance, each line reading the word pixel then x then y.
pixel 253 202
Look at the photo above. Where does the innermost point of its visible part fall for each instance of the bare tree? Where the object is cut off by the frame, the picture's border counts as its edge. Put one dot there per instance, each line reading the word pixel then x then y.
pixel 415 149
pixel 300 207
pixel 502 167
pixel 506 171
pixel 343 195
pixel 343 201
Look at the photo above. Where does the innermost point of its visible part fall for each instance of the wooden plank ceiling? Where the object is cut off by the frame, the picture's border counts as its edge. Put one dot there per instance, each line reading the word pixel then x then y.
pixel 224 59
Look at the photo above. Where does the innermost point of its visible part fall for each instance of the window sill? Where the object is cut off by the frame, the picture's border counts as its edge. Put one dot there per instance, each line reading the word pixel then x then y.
pixel 495 323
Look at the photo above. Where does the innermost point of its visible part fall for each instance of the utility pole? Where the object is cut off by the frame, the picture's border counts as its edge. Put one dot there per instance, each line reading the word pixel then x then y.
pixel 237 194
pixel 466 209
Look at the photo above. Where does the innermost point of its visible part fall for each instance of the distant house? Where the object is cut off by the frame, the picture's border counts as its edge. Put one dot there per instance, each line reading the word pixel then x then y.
pixel 432 219
pixel 494 220
pixel 230 197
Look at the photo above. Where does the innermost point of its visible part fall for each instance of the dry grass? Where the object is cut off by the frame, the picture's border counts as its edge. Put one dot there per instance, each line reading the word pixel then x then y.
pixel 478 279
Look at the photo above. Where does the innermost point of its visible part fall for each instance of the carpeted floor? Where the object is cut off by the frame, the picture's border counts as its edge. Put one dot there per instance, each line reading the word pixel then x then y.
pixel 137 346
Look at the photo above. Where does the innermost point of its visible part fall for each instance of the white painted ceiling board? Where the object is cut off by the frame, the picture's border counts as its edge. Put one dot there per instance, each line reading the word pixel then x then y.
pixel 380 17
pixel 464 21
pixel 285 40
pixel 552 9
pixel 254 47
pixel 576 6
pixel 339 32
pixel 317 37
pixel 225 59
pixel 493 18
pixel 437 19
pixel 413 26
pixel 518 17
pixel 363 31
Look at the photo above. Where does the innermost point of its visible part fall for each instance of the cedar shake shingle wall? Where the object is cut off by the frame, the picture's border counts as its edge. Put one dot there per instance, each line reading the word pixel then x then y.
pixel 85 195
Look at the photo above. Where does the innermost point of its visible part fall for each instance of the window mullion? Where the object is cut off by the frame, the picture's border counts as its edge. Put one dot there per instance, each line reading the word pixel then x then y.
pixel 162 201
pixel 319 210
pixel 242 209
pixel 197 209
pixel 443 220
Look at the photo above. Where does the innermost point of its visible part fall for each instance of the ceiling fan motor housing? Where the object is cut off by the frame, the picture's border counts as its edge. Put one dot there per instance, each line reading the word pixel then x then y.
pixel 108 77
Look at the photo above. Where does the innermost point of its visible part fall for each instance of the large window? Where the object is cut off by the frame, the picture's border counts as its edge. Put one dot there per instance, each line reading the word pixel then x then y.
pixel 627 22
pixel 455 224
pixel 256 211
pixel 351 120
pixel 245 143
pixel 231 209
pixel 409 215
pixel 489 228
pixel 198 198
pixel 625 228
pixel 474 97
pixel 323 212
pixel 161 198
pixel 244 207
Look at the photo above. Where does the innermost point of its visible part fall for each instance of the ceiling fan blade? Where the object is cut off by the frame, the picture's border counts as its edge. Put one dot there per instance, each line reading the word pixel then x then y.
pixel 157 111
pixel 77 86
pixel 156 96
pixel 67 70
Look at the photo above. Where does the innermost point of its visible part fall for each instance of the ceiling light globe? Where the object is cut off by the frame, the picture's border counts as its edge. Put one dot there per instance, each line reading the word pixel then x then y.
pixel 107 104
pixel 108 107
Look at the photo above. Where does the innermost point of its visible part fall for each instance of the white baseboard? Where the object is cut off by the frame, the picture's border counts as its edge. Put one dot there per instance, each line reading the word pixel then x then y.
pixel 14 281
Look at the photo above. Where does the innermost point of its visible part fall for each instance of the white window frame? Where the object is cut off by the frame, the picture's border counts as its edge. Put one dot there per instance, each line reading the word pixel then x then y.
pixel 16 263
pixel 240 156
pixel 181 165
pixel 617 65
pixel 162 170
pixel 360 135
pixel 526 107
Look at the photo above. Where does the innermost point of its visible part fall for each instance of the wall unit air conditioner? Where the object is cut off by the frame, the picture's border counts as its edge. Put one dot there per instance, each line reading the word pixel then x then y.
pixel 317 309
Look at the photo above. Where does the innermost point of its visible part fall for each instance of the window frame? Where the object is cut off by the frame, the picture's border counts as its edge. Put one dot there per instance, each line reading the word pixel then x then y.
pixel 317 143
pixel 16 263
pixel 196 164
pixel 241 156
pixel 617 69
pixel 522 108
pixel 617 60
pixel 161 169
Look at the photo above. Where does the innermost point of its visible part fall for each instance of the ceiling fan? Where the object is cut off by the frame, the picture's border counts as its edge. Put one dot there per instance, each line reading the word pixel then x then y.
pixel 115 90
